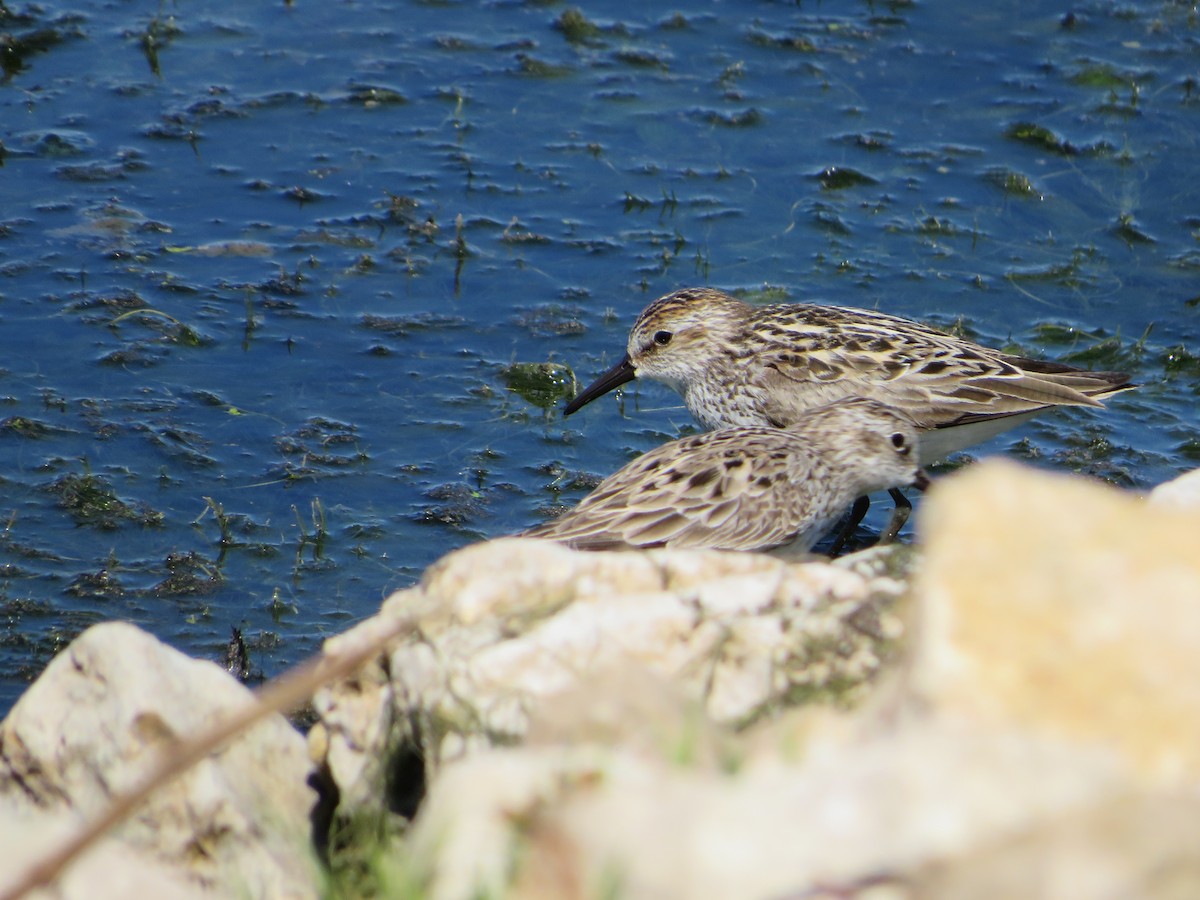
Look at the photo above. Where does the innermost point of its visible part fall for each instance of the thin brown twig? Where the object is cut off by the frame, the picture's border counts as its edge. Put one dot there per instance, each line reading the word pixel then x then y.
pixel 287 691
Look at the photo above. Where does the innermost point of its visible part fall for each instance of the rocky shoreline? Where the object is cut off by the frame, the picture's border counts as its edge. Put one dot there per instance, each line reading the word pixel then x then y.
pixel 1010 710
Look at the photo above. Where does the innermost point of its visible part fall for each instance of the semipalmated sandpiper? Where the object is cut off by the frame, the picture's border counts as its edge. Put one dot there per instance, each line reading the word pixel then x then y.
pixel 737 364
pixel 748 488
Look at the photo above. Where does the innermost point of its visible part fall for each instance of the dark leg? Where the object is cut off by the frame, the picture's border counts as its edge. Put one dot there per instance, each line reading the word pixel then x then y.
pixel 857 512
pixel 899 517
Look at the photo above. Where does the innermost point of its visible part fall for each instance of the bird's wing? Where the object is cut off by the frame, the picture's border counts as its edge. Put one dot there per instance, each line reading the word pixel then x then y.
pixel 696 493
pixel 937 379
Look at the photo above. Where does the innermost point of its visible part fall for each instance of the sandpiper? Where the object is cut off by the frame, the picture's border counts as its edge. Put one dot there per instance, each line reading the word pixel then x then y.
pixel 737 364
pixel 750 487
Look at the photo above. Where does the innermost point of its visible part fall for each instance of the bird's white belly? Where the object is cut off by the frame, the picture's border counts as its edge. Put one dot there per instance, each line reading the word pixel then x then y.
pixel 939 443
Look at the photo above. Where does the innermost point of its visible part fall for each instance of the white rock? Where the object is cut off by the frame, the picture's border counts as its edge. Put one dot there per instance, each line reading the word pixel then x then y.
pixel 108 707
pixel 1064 606
pixel 1182 492
pixel 1042 738
pixel 112 870
pixel 507 626
pixel 525 822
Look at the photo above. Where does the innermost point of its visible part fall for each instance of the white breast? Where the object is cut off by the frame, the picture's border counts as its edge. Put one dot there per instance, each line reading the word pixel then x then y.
pixel 941 442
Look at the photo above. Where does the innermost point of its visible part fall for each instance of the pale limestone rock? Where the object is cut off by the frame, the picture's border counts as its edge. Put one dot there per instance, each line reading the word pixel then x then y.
pixel 108 707
pixel 1060 606
pixel 1182 492
pixel 1040 740
pixel 636 710
pixel 504 627
pixel 1140 845
pixel 525 822
pixel 112 870
pixel 355 738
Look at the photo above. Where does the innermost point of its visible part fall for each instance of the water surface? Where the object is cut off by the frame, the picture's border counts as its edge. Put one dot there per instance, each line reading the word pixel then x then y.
pixel 269 276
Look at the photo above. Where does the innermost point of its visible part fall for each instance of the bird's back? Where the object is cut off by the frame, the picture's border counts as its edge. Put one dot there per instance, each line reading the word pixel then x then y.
pixel 809 355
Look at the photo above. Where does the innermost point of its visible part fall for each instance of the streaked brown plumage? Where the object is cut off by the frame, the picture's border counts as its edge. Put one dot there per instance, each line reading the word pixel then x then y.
pixel 736 364
pixel 750 487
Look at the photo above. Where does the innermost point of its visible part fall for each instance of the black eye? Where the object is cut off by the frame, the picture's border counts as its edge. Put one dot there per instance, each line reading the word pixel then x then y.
pixel 662 338
pixel 899 442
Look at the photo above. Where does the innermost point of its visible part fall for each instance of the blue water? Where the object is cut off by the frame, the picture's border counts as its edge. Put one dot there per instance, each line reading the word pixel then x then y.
pixel 336 226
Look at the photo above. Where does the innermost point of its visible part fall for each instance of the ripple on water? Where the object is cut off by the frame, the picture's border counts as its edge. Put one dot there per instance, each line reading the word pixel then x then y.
pixel 290 298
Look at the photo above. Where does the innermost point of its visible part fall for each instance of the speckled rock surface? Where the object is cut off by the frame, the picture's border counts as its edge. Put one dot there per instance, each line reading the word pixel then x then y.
pixel 1038 738
pixel 1181 493
pixel 507 626
pixel 100 717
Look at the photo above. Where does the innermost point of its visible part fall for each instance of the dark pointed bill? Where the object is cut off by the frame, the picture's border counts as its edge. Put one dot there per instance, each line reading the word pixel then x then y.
pixel 622 373
pixel 921 482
